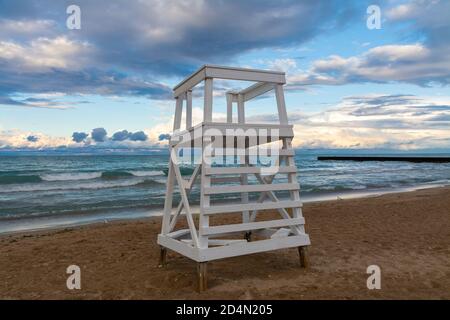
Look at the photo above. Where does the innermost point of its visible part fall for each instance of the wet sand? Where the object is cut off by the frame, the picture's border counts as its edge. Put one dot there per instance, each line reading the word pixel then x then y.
pixel 406 234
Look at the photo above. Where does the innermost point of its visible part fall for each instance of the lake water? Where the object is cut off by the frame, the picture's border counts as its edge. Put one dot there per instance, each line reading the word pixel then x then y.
pixel 67 187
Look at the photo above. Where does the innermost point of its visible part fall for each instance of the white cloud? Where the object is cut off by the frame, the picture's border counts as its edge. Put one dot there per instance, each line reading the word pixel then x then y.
pixel 18 139
pixel 403 11
pixel 285 64
pixel 403 122
pixel 374 121
pixel 368 121
pixel 414 63
pixel 27 27
pixel 43 54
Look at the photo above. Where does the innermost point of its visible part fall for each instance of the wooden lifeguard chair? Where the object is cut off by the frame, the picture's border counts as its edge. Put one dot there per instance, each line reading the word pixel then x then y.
pixel 201 240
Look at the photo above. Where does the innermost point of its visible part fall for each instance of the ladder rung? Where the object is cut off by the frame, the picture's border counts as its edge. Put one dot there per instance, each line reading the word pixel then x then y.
pixel 252 226
pixel 218 151
pixel 225 179
pixel 252 206
pixel 252 188
pixel 179 233
pixel 249 170
pixel 275 152
pixel 287 152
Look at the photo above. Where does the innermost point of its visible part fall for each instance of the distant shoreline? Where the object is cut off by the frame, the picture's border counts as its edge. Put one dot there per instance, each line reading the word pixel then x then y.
pixel 384 158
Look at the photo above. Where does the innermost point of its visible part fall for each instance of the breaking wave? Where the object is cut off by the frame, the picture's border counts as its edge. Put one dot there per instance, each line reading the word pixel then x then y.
pixel 74 176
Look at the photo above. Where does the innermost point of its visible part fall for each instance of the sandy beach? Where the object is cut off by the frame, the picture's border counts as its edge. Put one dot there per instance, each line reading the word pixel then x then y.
pixel 406 234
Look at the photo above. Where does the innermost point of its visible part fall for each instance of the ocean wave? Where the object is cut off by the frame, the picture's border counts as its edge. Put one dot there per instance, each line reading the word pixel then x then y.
pixel 185 171
pixel 20 178
pixel 93 185
pixel 115 174
pixel 143 173
pixel 71 176
pixel 12 179
pixel 130 173
pixel 326 189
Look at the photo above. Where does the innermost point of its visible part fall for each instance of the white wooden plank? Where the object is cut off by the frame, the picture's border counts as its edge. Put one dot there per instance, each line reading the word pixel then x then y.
pixel 215 253
pixel 251 226
pixel 281 233
pixel 241 109
pixel 238 249
pixel 190 82
pixel 204 198
pixel 208 100
pixel 224 242
pixel 262 71
pixel 264 233
pixel 228 73
pixel 189 109
pixel 252 151
pixel 251 206
pixel 179 233
pixel 225 179
pixel 169 200
pixel 276 132
pixel 252 188
pixel 186 205
pixel 184 249
pixel 245 74
pixel 295 195
pixel 176 215
pixel 256 90
pixel 193 177
pixel 249 170
pixel 269 152
pixel 178 114
pixel 281 210
pixel 282 114
pixel 180 205
pixel 229 107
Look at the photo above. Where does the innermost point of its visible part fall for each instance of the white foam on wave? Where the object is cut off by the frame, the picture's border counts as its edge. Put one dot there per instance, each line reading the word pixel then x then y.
pixel 79 186
pixel 71 176
pixel 146 173
pixel 74 176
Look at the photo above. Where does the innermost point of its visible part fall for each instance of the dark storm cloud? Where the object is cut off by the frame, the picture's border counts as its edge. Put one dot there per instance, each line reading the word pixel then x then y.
pixel 121 135
pixel 99 134
pixel 32 138
pixel 174 37
pixel 164 136
pixel 124 47
pixel 78 82
pixel 79 136
pixel 138 136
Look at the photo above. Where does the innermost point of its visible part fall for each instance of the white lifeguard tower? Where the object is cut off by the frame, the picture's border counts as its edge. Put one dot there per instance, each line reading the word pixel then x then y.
pixel 256 187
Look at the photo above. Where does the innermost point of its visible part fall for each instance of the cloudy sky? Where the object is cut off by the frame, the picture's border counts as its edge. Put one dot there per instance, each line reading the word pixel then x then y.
pixel 109 83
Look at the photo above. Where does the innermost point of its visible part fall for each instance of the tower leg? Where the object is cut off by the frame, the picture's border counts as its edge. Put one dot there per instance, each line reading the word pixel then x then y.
pixel 162 257
pixel 202 276
pixel 303 257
